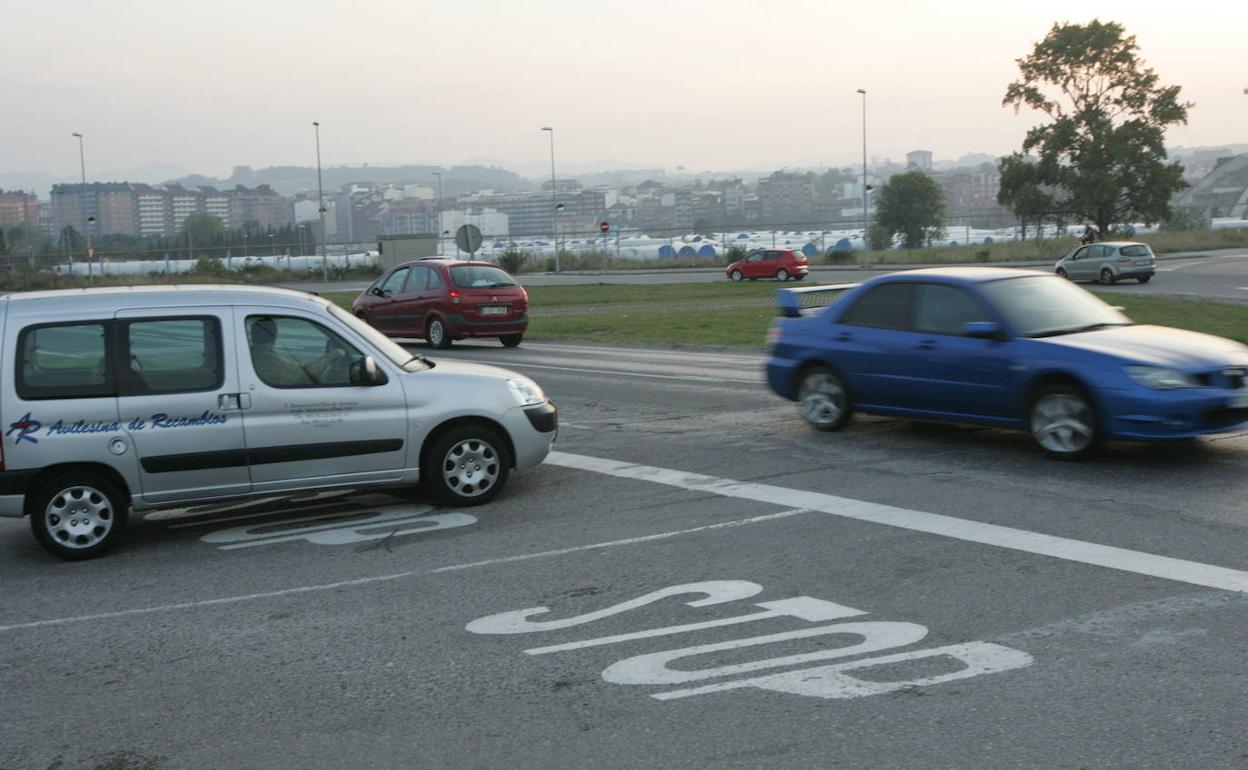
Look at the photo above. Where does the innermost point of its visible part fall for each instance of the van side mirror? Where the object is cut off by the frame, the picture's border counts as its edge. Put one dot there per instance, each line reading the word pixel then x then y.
pixel 983 330
pixel 365 372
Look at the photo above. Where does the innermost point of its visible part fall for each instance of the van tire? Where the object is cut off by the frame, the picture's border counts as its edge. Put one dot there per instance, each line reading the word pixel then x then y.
pixel 77 492
pixel 461 458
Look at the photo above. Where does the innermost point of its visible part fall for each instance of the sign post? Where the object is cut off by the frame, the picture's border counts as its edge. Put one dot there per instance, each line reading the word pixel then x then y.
pixel 468 238
pixel 604 227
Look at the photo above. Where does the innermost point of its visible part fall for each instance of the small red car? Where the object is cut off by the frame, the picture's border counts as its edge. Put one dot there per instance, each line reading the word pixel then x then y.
pixel 442 300
pixel 781 264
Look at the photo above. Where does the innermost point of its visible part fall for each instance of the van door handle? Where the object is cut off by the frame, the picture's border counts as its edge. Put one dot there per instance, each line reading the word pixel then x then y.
pixel 234 402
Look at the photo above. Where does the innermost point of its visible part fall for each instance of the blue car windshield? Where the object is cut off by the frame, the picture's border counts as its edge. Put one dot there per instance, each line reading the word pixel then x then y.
pixel 1046 306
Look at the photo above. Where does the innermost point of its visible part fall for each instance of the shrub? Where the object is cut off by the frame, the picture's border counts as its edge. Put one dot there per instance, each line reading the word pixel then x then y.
pixel 840 258
pixel 983 255
pixel 513 260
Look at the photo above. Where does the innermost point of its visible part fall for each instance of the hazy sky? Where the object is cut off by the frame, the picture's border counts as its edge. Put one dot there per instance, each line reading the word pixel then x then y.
pixel 708 85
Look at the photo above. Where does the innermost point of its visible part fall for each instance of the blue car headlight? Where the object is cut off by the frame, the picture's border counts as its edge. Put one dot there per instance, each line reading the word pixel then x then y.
pixel 1158 378
pixel 526 392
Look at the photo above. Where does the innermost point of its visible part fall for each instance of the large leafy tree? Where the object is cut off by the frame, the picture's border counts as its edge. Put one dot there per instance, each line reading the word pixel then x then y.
pixel 1102 150
pixel 911 205
pixel 204 228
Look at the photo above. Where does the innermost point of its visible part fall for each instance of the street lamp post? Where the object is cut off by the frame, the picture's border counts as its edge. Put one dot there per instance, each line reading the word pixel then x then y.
pixel 866 245
pixel 437 209
pixel 90 249
pixel 554 213
pixel 320 196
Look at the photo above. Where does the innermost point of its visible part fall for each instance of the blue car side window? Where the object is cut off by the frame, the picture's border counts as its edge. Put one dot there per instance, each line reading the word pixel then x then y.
pixel 946 309
pixel 889 306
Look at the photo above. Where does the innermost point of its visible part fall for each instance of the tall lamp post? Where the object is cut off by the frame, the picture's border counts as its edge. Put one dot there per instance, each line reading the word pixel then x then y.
pixel 437 209
pixel 866 245
pixel 554 208
pixel 320 196
pixel 90 249
pixel 90 218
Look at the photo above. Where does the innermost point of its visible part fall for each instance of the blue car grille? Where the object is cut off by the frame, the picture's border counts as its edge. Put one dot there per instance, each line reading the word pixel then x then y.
pixel 1233 378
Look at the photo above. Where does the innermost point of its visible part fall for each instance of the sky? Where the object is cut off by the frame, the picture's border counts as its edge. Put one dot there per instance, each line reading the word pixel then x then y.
pixel 704 84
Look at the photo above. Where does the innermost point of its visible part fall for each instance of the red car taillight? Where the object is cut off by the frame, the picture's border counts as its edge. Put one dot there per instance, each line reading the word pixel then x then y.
pixel 455 299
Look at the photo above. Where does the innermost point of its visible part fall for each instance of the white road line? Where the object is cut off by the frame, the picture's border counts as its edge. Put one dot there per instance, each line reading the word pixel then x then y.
pixel 612 372
pixel 1067 549
pixel 387 578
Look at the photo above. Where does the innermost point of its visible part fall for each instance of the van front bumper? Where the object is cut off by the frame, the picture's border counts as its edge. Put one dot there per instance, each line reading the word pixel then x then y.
pixel 13 487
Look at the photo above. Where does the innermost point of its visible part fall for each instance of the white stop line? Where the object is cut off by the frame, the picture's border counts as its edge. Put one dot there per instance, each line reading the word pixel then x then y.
pixel 1065 548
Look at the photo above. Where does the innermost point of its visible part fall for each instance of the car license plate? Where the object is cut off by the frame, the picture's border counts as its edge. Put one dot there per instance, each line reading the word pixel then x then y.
pixel 493 311
pixel 1239 401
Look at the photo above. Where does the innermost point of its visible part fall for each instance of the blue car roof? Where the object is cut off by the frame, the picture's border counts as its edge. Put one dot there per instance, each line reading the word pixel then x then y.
pixel 959 274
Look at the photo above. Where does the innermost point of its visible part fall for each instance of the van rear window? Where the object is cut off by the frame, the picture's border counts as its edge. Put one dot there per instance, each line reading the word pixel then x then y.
pixel 1138 250
pixel 64 361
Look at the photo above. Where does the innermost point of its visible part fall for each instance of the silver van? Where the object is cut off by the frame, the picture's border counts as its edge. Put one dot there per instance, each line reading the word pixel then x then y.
pixel 1108 262
pixel 149 397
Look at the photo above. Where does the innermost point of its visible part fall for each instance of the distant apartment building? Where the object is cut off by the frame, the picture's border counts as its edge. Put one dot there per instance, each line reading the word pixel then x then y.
pixel 786 199
pixel 1223 192
pixel 18 208
pixel 139 209
pixel 112 204
pixel 971 196
pixel 534 213
pixel 408 216
pixel 919 159
pixel 152 210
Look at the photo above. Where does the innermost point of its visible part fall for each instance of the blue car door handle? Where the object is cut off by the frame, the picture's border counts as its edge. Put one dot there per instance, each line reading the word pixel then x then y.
pixel 843 337
pixel 926 345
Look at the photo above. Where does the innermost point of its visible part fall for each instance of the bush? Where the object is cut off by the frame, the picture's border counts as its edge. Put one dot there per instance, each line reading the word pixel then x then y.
pixel 736 252
pixel 209 265
pixel 513 260
pixel 840 258
pixel 983 255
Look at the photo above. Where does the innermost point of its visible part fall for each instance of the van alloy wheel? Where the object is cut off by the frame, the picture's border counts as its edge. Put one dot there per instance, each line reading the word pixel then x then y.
pixel 466 465
pixel 471 467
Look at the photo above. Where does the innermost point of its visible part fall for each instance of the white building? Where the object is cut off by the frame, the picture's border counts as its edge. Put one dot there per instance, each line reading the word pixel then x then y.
pixel 490 221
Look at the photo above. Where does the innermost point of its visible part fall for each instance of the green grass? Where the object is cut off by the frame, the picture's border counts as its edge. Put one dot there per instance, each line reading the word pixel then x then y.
pixel 1224 319
pixel 660 314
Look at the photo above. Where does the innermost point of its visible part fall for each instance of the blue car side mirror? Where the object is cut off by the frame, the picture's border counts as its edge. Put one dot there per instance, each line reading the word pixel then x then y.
pixel 984 330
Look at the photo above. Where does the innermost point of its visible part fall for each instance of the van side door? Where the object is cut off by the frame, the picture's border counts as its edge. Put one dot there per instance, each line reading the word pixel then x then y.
pixel 311 423
pixel 180 404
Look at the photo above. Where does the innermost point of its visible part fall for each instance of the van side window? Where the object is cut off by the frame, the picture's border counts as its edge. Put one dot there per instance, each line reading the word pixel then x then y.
pixel 64 361
pixel 172 355
pixel 298 353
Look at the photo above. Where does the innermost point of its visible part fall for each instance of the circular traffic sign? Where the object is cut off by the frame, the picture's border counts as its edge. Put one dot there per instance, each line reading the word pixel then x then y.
pixel 604 226
pixel 468 238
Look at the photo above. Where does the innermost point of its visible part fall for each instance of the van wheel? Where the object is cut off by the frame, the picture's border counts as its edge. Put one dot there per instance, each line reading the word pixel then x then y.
pixel 467 465
pixel 1144 278
pixel 77 515
pixel 1107 277
pixel 511 340
pixel 437 335
pixel 1061 273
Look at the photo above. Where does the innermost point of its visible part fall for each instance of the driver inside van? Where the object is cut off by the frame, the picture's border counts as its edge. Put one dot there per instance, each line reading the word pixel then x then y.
pixel 278 369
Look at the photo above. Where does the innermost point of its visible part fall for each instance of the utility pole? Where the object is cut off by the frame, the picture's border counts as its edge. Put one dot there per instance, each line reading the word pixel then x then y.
pixel 320 194
pixel 865 243
pixel 554 206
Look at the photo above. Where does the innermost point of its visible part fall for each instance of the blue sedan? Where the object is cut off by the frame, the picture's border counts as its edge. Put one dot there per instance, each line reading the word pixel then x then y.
pixel 1010 348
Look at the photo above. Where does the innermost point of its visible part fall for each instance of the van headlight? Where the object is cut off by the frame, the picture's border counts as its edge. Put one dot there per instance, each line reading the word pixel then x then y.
pixel 1157 378
pixel 526 392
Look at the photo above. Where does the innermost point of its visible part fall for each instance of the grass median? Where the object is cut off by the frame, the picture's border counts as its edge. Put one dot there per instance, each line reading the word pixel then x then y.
pixel 661 314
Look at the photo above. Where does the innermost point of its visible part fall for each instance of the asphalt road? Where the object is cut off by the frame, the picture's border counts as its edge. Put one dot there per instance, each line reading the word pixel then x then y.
pixel 705 582
pixel 1218 274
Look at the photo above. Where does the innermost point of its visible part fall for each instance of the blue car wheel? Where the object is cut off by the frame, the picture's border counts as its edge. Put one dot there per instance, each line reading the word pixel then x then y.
pixel 1063 422
pixel 823 399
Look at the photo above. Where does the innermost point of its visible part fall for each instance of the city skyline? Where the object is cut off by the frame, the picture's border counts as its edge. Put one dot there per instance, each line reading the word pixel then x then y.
pixel 648 85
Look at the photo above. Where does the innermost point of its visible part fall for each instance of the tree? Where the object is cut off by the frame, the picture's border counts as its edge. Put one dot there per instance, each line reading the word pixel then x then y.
pixel 911 205
pixel 1022 193
pixel 203 228
pixel 69 241
pixel 1102 150
pixel 4 246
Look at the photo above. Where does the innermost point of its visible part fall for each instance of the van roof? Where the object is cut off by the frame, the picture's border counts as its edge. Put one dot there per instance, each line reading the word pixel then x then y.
pixel 118 297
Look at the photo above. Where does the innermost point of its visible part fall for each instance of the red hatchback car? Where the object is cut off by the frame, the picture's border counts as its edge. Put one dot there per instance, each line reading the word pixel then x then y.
pixel 446 299
pixel 781 264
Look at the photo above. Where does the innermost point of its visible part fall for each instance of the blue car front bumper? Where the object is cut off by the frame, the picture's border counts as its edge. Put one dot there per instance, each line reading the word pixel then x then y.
pixel 1160 415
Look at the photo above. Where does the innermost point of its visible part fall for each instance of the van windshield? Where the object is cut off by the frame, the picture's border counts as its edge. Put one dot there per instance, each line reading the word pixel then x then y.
pixel 392 350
